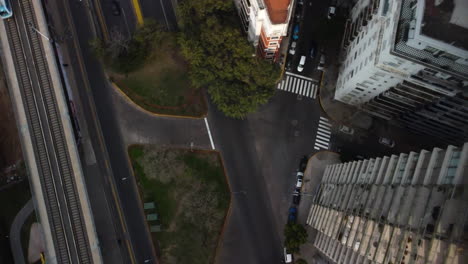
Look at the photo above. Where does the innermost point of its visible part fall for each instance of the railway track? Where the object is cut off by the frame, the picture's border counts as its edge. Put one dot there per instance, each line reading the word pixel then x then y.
pixel 51 150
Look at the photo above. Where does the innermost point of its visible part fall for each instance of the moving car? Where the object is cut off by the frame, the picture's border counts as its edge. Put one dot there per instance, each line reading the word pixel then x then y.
pixel 331 12
pixel 313 50
pixel 296 32
pixel 292 215
pixel 321 64
pixel 300 67
pixel 346 130
pixel 387 142
pixel 115 8
pixel 292 49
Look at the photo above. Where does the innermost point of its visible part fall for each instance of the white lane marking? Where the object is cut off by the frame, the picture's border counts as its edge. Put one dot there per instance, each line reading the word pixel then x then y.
pixel 323 118
pixel 325 131
pixel 299 76
pixel 209 133
pixel 315 91
pixel 317 148
pixel 324 123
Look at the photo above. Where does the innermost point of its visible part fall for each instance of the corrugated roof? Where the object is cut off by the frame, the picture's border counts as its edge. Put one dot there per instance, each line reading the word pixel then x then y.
pixel 277 10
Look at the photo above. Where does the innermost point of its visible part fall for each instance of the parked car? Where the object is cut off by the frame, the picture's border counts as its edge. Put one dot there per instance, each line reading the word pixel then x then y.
pixel 292 214
pixel 287 257
pixel 313 50
pixel 296 197
pixel 331 12
pixel 387 142
pixel 115 8
pixel 321 64
pixel 346 130
pixel 300 67
pixel 299 177
pixel 303 163
pixel 296 32
pixel 292 49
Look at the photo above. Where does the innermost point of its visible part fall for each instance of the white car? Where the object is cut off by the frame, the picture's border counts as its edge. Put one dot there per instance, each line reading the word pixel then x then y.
pixel 292 49
pixel 299 176
pixel 346 130
pixel 321 64
pixel 331 12
pixel 387 142
pixel 300 67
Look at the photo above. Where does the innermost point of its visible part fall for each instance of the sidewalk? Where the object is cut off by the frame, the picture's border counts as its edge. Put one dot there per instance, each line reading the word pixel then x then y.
pixel 337 111
pixel 312 177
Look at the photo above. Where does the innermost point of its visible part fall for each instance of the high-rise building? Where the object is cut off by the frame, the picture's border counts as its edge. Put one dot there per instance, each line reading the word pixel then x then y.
pixel 407 60
pixel 266 23
pixel 407 208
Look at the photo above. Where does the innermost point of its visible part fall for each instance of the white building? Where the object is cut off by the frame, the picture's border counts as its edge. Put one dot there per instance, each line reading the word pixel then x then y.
pixel 266 23
pixel 408 60
pixel 406 208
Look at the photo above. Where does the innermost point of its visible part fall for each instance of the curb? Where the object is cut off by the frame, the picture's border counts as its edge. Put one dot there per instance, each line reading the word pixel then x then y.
pixel 320 98
pixel 140 206
pixel 130 101
pixel 228 213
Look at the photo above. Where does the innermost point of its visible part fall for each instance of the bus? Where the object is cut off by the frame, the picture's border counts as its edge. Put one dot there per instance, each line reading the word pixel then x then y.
pixel 5 9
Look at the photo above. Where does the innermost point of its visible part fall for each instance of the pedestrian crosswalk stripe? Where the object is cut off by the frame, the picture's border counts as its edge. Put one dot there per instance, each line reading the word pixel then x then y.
pixel 323 135
pixel 298 84
pixel 324 131
pixel 299 76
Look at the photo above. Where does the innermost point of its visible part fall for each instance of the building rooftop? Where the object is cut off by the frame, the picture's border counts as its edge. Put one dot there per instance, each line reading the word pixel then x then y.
pixel 447 21
pixel 277 10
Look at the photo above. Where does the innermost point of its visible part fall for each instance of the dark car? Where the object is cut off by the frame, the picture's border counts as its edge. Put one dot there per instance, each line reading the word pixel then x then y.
pixel 292 215
pixel 303 164
pixel 115 8
pixel 296 32
pixel 313 50
pixel 296 197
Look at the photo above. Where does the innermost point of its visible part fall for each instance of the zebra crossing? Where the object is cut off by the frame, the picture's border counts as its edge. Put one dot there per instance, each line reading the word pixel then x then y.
pixel 322 139
pixel 298 84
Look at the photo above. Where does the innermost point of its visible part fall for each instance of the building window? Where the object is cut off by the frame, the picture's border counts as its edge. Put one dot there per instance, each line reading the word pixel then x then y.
pixel 274 38
pixel 273 43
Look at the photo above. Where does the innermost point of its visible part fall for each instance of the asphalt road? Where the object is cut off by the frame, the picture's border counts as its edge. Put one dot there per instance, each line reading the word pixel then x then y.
pixel 110 153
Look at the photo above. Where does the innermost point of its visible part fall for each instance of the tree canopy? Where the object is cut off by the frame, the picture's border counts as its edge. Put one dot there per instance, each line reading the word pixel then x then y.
pixel 295 235
pixel 221 58
pixel 123 54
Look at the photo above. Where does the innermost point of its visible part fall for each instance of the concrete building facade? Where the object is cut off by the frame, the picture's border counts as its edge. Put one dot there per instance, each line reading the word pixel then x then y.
pixel 266 23
pixel 407 208
pixel 407 60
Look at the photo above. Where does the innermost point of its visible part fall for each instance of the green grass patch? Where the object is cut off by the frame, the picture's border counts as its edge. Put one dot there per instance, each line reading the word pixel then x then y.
pixel 162 85
pixel 191 197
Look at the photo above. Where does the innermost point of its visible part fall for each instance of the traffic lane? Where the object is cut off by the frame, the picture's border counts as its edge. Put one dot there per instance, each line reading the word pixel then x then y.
pixel 129 199
pixel 284 131
pixel 118 15
pixel 140 127
pixel 250 235
pixel 162 11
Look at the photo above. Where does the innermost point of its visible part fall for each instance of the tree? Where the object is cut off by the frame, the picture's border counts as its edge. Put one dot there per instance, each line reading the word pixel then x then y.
pixel 125 55
pixel 221 58
pixel 295 235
